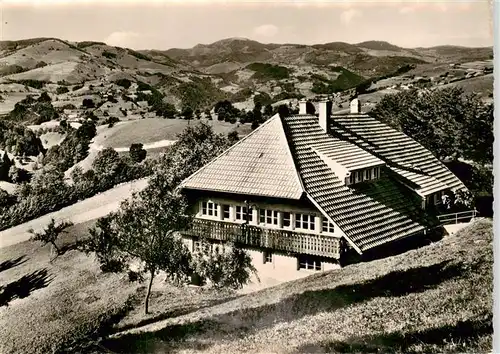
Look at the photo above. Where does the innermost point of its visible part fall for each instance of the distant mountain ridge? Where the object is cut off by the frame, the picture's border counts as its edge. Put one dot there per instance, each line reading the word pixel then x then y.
pixel 243 50
pixel 237 69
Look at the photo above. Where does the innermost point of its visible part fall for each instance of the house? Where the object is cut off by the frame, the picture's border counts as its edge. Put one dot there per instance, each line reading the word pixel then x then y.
pixel 302 191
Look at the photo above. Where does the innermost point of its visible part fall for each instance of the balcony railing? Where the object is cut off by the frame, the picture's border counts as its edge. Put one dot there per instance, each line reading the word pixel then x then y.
pixel 251 235
pixel 455 218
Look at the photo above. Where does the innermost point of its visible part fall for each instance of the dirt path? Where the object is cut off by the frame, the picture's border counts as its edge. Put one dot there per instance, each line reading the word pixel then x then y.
pixel 85 210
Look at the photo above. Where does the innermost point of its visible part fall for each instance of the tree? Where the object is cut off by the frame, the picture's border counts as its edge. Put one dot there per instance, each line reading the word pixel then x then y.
pixel 187 113
pixel 137 152
pixel 51 233
pixel 268 110
pixel 233 136
pixel 5 165
pixel 18 175
pixel 448 122
pixel 61 90
pixel 223 265
pixel 88 103
pixel 103 241
pixel 145 229
pixel 44 97
pixel 107 167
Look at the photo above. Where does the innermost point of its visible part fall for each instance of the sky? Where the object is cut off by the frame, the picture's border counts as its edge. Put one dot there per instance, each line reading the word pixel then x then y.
pixel 162 24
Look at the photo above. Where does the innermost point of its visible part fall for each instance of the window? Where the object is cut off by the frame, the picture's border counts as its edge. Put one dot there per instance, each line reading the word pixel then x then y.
pixel 310 263
pixel 351 178
pixel 271 217
pixel 376 172
pixel 225 211
pixel 304 221
pixel 241 213
pixel 268 257
pixel 359 176
pixel 327 225
pixel 262 216
pixel 209 208
pixel 368 174
pixel 287 221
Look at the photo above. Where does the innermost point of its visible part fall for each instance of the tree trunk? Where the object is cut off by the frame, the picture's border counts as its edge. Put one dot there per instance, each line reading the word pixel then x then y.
pixel 57 248
pixel 146 301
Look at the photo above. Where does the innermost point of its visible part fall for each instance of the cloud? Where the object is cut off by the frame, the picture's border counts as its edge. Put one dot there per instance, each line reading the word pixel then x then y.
pixel 122 39
pixel 406 10
pixel 348 15
pixel 266 30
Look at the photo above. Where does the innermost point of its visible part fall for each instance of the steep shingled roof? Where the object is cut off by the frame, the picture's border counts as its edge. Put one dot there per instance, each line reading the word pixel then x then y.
pixel 283 158
pixel 403 155
pixel 369 214
pixel 259 164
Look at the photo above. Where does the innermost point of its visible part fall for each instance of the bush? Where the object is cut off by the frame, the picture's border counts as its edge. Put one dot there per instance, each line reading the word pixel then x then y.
pixel 108 54
pixel 125 83
pixel 138 55
pixel 37 84
pixel 137 152
pixel 88 103
pixel 62 89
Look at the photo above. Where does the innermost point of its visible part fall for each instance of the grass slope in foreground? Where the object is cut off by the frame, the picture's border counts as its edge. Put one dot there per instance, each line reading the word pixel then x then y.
pixel 434 299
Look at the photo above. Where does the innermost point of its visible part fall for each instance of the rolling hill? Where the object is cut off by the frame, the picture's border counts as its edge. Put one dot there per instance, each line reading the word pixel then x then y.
pixel 232 68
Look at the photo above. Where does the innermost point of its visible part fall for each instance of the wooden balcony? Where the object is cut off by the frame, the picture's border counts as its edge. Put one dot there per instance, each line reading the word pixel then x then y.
pixel 282 240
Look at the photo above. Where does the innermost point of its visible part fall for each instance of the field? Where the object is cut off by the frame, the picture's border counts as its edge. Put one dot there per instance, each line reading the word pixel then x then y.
pixel 482 85
pixel 44 304
pixel 152 130
pixel 388 305
pixel 434 299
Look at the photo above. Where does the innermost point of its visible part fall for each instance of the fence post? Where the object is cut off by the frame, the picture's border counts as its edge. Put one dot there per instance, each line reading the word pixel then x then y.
pixel 456 218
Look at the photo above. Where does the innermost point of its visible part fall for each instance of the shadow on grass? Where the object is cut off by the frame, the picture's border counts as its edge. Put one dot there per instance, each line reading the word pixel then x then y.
pixel 461 337
pixel 239 323
pixel 11 263
pixel 24 286
pixel 176 312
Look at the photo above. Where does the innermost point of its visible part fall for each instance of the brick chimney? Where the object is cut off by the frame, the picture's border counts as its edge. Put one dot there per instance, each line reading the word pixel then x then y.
pixel 302 107
pixel 355 106
pixel 325 110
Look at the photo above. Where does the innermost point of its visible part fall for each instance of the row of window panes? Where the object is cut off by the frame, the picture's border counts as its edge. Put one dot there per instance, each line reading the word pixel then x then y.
pixel 310 263
pixel 364 175
pixel 267 216
pixel 209 208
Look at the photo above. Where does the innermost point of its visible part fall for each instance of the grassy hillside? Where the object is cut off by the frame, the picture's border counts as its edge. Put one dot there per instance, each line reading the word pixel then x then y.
pixel 268 71
pixel 434 299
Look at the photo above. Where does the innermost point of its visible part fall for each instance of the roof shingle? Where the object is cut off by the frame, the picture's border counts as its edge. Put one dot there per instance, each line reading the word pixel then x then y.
pixel 369 214
pixel 259 164
pixel 403 155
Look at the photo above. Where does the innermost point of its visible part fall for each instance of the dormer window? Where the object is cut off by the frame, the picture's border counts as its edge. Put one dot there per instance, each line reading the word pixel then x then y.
pixel 366 174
